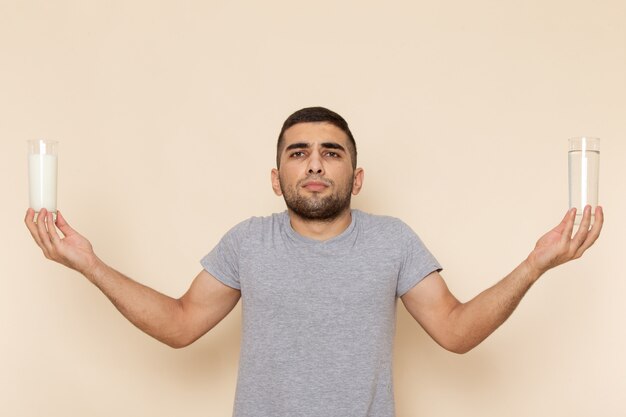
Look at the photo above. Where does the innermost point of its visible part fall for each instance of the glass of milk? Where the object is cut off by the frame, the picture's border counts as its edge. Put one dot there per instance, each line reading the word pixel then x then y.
pixel 584 170
pixel 42 175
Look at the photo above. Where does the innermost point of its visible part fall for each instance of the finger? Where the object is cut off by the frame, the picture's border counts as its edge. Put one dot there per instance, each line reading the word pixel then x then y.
pixel 43 232
pixel 63 226
pixel 583 229
pixel 567 225
pixel 599 217
pixel 594 233
pixel 52 230
pixel 563 224
pixel 30 213
pixel 32 226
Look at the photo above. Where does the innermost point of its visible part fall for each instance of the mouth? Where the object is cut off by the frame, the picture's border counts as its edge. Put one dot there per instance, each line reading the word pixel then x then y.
pixel 315 185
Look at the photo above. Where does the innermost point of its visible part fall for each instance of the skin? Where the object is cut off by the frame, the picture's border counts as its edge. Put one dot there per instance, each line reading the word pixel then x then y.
pixel 315 163
pixel 459 327
pixel 313 170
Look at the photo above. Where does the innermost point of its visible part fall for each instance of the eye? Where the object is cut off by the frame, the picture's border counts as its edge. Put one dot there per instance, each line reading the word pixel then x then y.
pixel 332 154
pixel 296 154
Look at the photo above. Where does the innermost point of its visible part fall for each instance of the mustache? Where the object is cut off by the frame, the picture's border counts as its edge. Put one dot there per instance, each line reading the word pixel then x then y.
pixel 316 178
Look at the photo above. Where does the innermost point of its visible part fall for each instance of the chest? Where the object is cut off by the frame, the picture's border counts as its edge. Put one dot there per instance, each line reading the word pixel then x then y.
pixel 319 283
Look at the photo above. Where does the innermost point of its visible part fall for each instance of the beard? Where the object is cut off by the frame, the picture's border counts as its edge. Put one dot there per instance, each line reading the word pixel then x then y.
pixel 317 207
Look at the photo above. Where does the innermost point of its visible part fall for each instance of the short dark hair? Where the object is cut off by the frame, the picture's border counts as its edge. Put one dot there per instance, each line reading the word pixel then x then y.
pixel 316 115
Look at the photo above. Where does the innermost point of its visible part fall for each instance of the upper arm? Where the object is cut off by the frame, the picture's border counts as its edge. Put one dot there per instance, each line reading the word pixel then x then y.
pixel 206 303
pixel 430 302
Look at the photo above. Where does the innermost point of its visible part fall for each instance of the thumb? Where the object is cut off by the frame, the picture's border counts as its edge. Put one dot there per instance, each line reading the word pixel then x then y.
pixel 569 225
pixel 63 226
pixel 566 223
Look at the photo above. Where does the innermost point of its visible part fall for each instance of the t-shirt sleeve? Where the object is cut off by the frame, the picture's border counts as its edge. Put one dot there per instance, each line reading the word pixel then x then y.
pixel 223 261
pixel 417 261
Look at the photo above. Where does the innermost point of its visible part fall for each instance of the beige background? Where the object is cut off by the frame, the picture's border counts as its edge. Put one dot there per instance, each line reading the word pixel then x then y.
pixel 167 114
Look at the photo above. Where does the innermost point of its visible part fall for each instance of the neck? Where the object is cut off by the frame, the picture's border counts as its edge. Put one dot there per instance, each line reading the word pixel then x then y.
pixel 321 229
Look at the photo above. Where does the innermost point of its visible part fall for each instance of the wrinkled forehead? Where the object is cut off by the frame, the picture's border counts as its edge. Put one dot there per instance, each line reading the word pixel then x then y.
pixel 314 132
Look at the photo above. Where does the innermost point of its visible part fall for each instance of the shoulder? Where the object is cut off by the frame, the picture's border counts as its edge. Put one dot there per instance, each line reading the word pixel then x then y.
pixel 257 226
pixel 388 228
pixel 379 223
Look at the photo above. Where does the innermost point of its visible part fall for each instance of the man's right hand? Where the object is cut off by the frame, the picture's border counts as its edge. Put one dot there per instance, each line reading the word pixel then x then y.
pixel 71 249
pixel 176 322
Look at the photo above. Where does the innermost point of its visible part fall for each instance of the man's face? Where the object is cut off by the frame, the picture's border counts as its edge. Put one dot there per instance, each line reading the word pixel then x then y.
pixel 316 177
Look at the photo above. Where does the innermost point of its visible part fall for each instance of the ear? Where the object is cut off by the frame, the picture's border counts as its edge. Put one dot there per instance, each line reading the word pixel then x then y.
pixel 276 182
pixel 357 182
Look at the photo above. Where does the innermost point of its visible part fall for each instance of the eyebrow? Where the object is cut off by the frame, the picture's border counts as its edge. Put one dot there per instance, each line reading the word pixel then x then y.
pixel 333 145
pixel 298 145
pixel 305 145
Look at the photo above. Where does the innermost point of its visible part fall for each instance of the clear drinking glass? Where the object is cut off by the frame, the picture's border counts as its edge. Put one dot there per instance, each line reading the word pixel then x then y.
pixel 42 175
pixel 584 170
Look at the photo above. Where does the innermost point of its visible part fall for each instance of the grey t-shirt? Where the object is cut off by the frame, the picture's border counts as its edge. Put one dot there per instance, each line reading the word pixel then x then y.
pixel 318 316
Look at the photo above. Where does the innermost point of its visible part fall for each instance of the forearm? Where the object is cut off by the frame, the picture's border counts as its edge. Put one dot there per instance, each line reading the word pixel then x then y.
pixel 154 313
pixel 476 319
pixel 459 327
pixel 176 322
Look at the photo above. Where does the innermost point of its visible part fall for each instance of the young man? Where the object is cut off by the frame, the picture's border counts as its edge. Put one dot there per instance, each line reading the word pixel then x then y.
pixel 319 284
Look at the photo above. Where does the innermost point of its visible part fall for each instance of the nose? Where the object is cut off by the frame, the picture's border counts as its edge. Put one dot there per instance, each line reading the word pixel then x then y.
pixel 315 165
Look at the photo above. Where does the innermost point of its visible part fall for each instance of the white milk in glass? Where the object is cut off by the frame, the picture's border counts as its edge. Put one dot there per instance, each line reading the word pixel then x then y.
pixel 43 181
pixel 584 167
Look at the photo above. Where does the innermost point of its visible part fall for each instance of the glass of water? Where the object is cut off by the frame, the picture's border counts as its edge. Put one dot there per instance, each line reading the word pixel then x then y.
pixel 584 170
